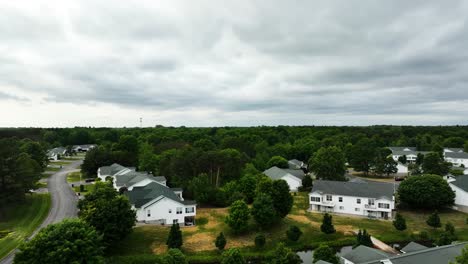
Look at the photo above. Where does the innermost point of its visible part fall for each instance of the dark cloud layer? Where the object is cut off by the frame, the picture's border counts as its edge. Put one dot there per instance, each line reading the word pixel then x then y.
pixel 331 62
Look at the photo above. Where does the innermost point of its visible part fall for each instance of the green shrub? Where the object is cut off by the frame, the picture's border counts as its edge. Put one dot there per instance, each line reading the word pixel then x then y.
pixel 260 240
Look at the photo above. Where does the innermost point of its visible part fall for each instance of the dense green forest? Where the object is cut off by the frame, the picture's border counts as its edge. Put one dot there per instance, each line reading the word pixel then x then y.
pixel 198 159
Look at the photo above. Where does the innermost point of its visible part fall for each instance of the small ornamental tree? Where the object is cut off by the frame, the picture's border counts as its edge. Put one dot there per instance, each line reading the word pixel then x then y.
pixel 327 225
pixel 232 256
pixel 175 256
pixel 363 238
pixel 434 220
pixel 174 240
pixel 293 233
pixel 399 223
pixel 220 241
pixel 284 255
pixel 325 253
pixel 263 210
pixel 238 217
pixel 260 240
pixel 70 241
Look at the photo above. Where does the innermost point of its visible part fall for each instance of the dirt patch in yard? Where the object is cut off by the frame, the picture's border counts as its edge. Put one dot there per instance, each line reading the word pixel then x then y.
pixel 302 219
pixel 345 229
pixel 199 242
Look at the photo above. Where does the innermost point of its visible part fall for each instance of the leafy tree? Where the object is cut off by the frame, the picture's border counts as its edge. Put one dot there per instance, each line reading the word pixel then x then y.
pixel 434 164
pixel 328 164
pixel 426 191
pixel 265 185
pixel 325 253
pixel 282 199
pixel 293 233
pixel 448 236
pixel 364 238
pixel 175 256
pixel 94 159
pixel 399 223
pixel 247 186
pixel 201 188
pixel 362 154
pixel 35 152
pixel 220 242
pixel 260 240
pixel 107 211
pixel 263 210
pixel 232 256
pixel 327 225
pixel 419 159
pixel 284 255
pixel 390 166
pixel 462 258
pixel 148 161
pixel 70 241
pixel 278 161
pixel 307 181
pixel 434 220
pixel 402 159
pixel 238 217
pixel 174 240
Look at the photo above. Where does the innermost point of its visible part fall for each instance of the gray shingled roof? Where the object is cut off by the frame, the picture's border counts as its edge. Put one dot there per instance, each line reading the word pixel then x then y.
pixel 461 182
pixel 436 255
pixel 402 148
pixel 130 178
pixel 412 247
pixel 55 151
pixel 364 254
pixel 295 164
pixel 454 149
pixel 407 153
pixel 141 195
pixel 456 155
pixel 322 262
pixel 159 178
pixel 276 173
pixel 358 189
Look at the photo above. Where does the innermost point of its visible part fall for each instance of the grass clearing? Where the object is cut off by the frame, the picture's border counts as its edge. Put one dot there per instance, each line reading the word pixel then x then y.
pixel 87 188
pixel 22 219
pixel 60 163
pixel 74 176
pixel 199 239
pixel 52 169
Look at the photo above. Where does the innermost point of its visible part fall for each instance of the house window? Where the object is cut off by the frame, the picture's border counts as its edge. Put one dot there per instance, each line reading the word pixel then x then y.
pixel 371 202
pixel 179 210
pixel 148 213
pixel 329 198
pixel 170 211
pixel 315 199
pixel 358 201
pixel 384 205
pixel 340 199
pixel 341 207
pixel 357 209
pixel 175 221
pixel 189 210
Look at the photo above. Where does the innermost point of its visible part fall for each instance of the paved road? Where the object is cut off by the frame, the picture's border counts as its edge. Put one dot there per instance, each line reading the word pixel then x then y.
pixel 63 201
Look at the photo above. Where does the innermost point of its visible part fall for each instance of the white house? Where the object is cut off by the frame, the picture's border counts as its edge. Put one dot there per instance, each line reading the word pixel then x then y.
pixel 457 158
pixel 402 169
pixel 410 152
pixel 459 185
pixel 83 148
pixel 153 201
pixel 368 199
pixel 56 153
pixel 292 176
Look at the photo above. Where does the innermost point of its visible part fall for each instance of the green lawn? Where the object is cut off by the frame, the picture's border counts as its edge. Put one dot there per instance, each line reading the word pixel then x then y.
pixel 199 240
pixel 87 188
pixel 73 176
pixel 52 169
pixel 21 220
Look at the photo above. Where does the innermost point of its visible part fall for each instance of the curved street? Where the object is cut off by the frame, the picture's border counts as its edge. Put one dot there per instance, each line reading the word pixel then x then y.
pixel 63 204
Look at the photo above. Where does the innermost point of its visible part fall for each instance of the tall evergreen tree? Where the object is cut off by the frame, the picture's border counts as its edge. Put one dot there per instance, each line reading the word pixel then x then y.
pixel 220 241
pixel 174 240
pixel 434 220
pixel 399 223
pixel 327 225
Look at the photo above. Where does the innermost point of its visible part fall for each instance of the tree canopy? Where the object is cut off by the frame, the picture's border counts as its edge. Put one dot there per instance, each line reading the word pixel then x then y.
pixel 426 191
pixel 328 163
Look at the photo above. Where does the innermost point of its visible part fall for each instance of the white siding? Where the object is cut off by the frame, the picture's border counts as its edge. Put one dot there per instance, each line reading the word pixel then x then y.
pixel 293 182
pixel 402 168
pixel 461 197
pixel 164 209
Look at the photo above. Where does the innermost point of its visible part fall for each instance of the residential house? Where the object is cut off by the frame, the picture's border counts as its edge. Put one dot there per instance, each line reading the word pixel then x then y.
pixel 292 176
pixel 457 158
pixel 414 254
pixel 410 152
pixel 368 199
pixel 402 169
pixel 459 184
pixel 151 198
pixel 56 153
pixel 83 148
pixel 295 164
pixel 363 254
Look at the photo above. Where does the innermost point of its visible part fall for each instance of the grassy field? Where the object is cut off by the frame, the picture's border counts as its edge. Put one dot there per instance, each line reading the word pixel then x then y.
pixel 73 176
pixel 53 169
pixel 60 162
pixel 21 220
pixel 87 188
pixel 199 239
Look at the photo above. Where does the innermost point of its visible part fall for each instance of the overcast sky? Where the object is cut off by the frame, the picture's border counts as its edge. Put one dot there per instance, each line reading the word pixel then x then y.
pixel 236 63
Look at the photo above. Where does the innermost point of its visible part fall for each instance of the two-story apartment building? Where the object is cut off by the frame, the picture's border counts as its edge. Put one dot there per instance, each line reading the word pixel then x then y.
pixel 410 152
pixel 368 199
pixel 153 201
pixel 456 156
